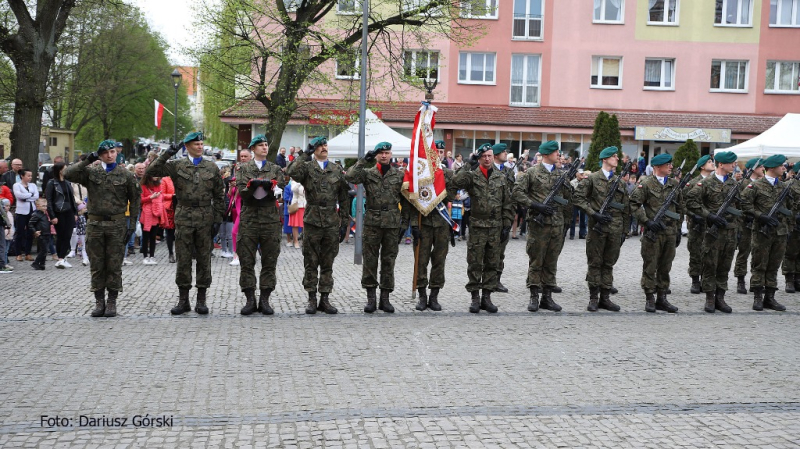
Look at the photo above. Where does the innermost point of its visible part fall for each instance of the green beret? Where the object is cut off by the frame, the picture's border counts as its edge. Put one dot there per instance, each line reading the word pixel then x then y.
pixel 383 146
pixel 105 146
pixel 752 162
pixel 484 148
pixel 256 140
pixel 322 140
pixel 774 161
pixel 725 157
pixel 439 144
pixel 499 148
pixel 661 159
pixel 548 147
pixel 193 136
pixel 703 160
pixel 608 152
pixel 796 167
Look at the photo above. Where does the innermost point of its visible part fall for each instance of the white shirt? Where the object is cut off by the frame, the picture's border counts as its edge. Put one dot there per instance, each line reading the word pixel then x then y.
pixel 260 164
pixel 549 167
pixel 607 174
pixel 721 178
pixel 662 179
pixel 26 196
pixel 770 180
pixel 321 164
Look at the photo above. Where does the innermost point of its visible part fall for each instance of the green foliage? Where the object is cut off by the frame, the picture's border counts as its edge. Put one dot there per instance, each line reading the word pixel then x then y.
pixel 606 134
pixel 688 152
pixel 8 85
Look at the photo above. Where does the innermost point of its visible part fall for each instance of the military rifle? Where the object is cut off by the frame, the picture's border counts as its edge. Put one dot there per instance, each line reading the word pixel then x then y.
pixel 733 193
pixel 664 209
pixel 553 195
pixel 609 201
pixel 766 229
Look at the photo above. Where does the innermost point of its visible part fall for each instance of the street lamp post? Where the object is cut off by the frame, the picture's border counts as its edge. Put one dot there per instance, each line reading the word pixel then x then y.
pixel 176 81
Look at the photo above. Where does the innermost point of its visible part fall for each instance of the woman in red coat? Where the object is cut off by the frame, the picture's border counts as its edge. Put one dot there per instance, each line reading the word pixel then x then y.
pixel 152 217
pixel 167 192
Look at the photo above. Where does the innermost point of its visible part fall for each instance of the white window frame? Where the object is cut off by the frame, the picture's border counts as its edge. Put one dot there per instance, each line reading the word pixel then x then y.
pixel 779 9
pixel 414 55
pixel 467 13
pixel 291 5
pixel 600 73
pixel 524 84
pixel 665 22
pixel 357 69
pixel 738 12
pixel 469 68
pixel 722 76
pixel 528 19
pixel 601 20
pixel 356 8
pixel 775 88
pixel 663 65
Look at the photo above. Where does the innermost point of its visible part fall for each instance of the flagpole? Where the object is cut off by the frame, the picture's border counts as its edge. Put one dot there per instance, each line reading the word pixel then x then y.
pixel 416 260
pixel 362 115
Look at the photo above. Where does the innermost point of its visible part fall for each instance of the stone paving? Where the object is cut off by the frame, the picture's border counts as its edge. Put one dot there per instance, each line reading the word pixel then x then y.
pixel 412 379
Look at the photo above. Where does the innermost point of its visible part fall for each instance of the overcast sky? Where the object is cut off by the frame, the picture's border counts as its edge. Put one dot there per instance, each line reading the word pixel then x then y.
pixel 171 18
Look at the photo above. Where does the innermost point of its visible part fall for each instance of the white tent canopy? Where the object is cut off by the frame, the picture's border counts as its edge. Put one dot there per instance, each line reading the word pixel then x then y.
pixel 346 143
pixel 783 138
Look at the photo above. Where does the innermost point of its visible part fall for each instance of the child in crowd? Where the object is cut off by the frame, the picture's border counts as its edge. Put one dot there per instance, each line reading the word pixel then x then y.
pixel 41 227
pixel 80 234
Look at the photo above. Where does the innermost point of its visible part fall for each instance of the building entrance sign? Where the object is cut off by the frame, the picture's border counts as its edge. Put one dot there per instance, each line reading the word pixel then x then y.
pixel 668 134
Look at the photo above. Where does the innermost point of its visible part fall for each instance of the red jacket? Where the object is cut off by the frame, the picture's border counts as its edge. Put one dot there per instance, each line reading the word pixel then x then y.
pixel 153 213
pixel 5 192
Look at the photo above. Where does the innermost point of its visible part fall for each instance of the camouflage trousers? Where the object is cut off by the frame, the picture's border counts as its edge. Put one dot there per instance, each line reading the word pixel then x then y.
pixel 543 246
pixel 695 246
pixel 250 238
pixel 791 260
pixel 717 259
pixel 104 243
pixel 602 253
pixel 193 243
pixel 768 254
pixel 745 240
pixel 483 258
pixel 433 248
pixel 657 256
pixel 320 247
pixel 379 244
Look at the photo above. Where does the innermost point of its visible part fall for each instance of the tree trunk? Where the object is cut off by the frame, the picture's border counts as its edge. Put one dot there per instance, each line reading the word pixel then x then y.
pixel 28 109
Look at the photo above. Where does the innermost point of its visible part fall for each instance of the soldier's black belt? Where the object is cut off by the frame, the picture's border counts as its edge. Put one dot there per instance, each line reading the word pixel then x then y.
pixel 318 203
pixel 106 217
pixel 195 203
pixel 382 208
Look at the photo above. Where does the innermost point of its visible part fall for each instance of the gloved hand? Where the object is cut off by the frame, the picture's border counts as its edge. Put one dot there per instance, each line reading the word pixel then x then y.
pixel 402 233
pixel 624 237
pixel 453 238
pixel 416 235
pixel 768 221
pixel 602 218
pixel 255 183
pixel 696 218
pixel 92 157
pixel 717 221
pixel 797 219
pixel 654 226
pixel 677 239
pixel 277 192
pixel 370 156
pixel 215 228
pixel 342 233
pixel 542 208
pixel 504 233
pixel 473 161
pixel 173 149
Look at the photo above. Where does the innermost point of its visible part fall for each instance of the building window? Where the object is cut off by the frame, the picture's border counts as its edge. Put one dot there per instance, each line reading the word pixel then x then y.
pixel 421 64
pixel 525 80
pixel 729 76
pixel 734 12
pixel 347 65
pixel 53 141
pixel 291 5
pixel 479 9
pixel 527 19
pixel 784 13
pixel 476 68
pixel 783 77
pixel 606 72
pixel 663 12
pixel 348 7
pixel 659 74
pixel 608 11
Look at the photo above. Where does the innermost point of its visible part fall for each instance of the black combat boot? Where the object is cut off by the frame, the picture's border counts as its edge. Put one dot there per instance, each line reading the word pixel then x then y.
pixel 556 289
pixel 533 305
pixel 486 302
pixel 720 303
pixel 614 290
pixel 99 303
pixel 663 304
pixel 263 302
pixel 325 304
pixel 200 306
pixel 383 303
pixel 790 283
pixel 797 282
pixel 740 287
pixel 372 300
pixel 547 300
pixel 594 299
pixel 769 301
pixel 696 287
pixel 711 298
pixel 111 304
pixel 183 302
pixel 433 300
pixel 650 303
pixel 423 299
pixel 311 308
pixel 250 306
pixel 758 298
pixel 475 307
pixel 605 301
pixel 500 287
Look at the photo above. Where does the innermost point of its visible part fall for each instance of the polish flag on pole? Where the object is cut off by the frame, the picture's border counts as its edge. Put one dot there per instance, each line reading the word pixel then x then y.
pixel 159 113
pixel 423 184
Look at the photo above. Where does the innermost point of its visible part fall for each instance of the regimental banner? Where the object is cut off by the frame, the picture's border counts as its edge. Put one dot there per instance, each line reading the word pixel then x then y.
pixel 424 184
pixel 669 134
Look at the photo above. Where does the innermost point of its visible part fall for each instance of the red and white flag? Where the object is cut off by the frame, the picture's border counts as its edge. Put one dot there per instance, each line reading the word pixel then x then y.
pixel 424 185
pixel 159 113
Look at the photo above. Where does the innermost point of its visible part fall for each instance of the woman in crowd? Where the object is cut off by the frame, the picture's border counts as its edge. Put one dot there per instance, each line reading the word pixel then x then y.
pixel 61 208
pixel 287 201
pixel 152 216
pixel 79 193
pixel 243 157
pixel 8 234
pixel 225 229
pixel 296 211
pixel 26 195
pixel 167 194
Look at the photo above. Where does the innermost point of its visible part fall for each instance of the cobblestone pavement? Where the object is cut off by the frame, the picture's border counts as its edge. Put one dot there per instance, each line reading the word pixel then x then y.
pixel 412 379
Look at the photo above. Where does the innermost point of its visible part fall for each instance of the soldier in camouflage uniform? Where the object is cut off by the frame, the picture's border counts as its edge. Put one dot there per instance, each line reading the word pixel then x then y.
pixel 382 223
pixel 791 260
pixel 545 238
pixel 323 227
pixel 111 190
pixel 705 200
pixel 490 222
pixel 746 227
pixel 769 246
pixel 603 244
pixel 500 164
pixel 260 183
pixel 200 208
pixel 658 254
pixel 697 227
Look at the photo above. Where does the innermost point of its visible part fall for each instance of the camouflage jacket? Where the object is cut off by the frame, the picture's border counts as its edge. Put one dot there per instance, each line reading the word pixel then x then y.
pixel 259 211
pixel 490 198
pixel 511 180
pixel 434 220
pixel 592 192
pixel 199 190
pixel 696 222
pixel 109 193
pixel 535 185
pixel 325 189
pixel 746 222
pixel 649 195
pixel 759 197
pixel 707 195
pixel 382 193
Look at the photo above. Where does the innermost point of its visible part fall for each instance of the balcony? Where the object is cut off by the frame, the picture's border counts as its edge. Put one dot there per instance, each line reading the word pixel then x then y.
pixel 527 27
